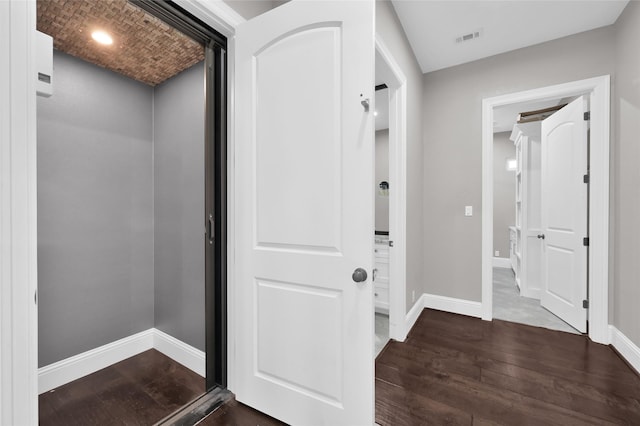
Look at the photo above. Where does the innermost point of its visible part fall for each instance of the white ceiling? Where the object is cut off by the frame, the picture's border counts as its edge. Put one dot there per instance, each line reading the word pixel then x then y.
pixel 433 26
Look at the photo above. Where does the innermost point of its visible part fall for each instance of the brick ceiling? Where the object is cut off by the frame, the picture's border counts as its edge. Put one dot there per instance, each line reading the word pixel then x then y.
pixel 144 48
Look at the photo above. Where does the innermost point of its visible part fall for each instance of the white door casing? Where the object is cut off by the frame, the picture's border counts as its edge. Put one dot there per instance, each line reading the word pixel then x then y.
pixel 564 214
pixel 304 212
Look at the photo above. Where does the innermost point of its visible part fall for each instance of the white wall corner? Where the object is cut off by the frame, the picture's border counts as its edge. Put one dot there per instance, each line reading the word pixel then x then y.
pixel 625 347
pixel 192 358
pixel 453 305
pixel 77 366
pixel 502 262
pixel 412 316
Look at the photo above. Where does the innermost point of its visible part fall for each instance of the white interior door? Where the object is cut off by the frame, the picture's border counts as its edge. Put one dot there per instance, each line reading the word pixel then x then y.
pixel 564 213
pixel 304 211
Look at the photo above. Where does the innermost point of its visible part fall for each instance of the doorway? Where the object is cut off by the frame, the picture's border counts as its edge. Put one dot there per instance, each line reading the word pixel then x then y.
pixel 597 92
pixel 149 180
pixel 391 198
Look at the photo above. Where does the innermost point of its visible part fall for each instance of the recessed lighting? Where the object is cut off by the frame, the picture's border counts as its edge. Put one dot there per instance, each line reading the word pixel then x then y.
pixel 375 113
pixel 102 37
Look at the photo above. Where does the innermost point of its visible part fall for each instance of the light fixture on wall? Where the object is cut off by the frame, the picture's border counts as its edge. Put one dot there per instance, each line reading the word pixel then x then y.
pixel 512 164
pixel 102 37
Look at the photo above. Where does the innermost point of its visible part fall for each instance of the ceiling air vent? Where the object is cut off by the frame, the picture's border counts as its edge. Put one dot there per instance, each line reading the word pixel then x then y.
pixel 468 37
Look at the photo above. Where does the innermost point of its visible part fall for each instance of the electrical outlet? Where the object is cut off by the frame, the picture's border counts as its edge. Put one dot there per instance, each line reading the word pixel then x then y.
pixel 468 210
pixel 413 295
pixel 497 253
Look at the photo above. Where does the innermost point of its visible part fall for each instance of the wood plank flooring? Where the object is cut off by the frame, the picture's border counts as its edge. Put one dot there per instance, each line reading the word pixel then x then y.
pixel 457 370
pixel 140 390
pixel 452 370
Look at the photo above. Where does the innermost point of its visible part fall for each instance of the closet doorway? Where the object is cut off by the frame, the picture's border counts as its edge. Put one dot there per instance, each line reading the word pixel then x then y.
pixel 537 200
pixel 131 210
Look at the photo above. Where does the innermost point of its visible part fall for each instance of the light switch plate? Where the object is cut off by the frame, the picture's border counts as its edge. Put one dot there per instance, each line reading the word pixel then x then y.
pixel 468 210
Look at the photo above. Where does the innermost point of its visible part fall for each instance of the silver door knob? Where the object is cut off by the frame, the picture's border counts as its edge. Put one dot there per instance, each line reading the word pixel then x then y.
pixel 359 275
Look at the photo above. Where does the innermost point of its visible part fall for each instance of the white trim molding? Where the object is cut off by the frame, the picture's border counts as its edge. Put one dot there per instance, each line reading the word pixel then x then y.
pixel 598 89
pixel 453 305
pixel 412 315
pixel 501 262
pixel 192 358
pixel 396 81
pixel 18 215
pixel 77 366
pixel 629 350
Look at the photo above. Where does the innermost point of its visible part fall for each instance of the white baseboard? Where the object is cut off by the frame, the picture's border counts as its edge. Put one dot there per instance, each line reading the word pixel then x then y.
pixel 192 358
pixel 502 262
pixel 455 306
pixel 629 350
pixel 413 314
pixel 77 366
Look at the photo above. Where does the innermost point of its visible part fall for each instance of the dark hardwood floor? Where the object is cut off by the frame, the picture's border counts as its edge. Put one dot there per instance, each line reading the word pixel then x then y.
pixel 140 390
pixel 452 370
pixel 457 370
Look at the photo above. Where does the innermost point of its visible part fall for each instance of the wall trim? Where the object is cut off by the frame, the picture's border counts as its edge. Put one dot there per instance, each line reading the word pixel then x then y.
pixel 192 358
pixel 453 305
pixel 83 364
pixel 412 315
pixel 625 347
pixel 502 262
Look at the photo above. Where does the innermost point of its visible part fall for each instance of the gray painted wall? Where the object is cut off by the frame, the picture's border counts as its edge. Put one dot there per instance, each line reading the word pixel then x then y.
pixel 504 192
pixel 389 29
pixel 95 229
pixel 625 174
pixel 453 144
pixel 179 206
pixel 382 174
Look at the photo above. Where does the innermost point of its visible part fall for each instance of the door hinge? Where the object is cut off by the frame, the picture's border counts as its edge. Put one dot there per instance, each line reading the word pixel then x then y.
pixel 390 243
pixel 585 304
pixel 587 116
pixel 585 178
pixel 585 241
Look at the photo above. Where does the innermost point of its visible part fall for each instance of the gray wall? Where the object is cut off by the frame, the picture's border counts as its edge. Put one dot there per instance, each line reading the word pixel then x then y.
pixel 179 206
pixel 625 173
pixel 382 173
pixel 453 144
pixel 504 192
pixel 95 229
pixel 389 29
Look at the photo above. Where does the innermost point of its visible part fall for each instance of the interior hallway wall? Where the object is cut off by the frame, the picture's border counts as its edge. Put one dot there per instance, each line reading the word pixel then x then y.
pixel 178 170
pixel 504 192
pixel 624 267
pixel 453 145
pixel 390 30
pixel 382 174
pixel 95 228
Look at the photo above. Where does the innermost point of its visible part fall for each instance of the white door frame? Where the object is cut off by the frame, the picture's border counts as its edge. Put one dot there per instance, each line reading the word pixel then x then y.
pixel 397 84
pixel 598 89
pixel 18 220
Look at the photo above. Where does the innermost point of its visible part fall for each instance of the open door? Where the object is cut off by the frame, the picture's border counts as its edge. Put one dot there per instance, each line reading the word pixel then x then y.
pixel 303 309
pixel 564 214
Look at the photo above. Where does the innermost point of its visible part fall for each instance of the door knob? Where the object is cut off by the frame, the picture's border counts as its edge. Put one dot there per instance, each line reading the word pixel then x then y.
pixel 359 275
pixel 541 236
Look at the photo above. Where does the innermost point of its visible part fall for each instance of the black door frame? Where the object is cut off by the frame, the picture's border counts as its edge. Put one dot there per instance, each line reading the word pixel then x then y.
pixel 215 162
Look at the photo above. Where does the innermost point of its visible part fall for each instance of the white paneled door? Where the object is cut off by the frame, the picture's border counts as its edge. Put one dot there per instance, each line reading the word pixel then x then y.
pixel 564 213
pixel 304 327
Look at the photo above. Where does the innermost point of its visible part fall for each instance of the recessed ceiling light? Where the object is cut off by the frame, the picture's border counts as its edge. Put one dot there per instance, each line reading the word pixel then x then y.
pixel 102 37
